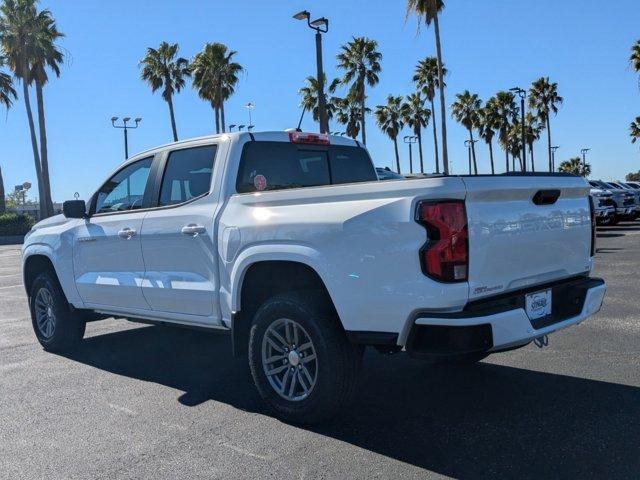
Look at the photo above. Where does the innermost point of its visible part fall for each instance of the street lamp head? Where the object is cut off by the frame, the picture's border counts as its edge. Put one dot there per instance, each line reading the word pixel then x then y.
pixel 138 120
pixel 320 22
pixel 250 106
pixel 303 15
pixel 126 119
pixel 240 127
pixel 113 119
pixel 250 127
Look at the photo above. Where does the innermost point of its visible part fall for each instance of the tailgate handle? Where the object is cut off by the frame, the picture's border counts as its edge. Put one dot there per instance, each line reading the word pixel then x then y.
pixel 546 197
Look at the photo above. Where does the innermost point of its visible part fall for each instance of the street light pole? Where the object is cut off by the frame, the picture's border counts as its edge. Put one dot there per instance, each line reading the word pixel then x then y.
pixel 468 143
pixel 126 128
pixel 523 95
pixel 250 106
pixel 321 25
pixel 553 157
pixel 584 161
pixel 410 140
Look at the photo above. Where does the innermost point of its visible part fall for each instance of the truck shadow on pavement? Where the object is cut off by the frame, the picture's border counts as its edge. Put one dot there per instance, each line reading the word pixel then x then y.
pixel 482 421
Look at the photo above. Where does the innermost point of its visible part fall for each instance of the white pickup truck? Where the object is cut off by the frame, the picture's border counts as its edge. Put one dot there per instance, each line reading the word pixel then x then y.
pixel 289 241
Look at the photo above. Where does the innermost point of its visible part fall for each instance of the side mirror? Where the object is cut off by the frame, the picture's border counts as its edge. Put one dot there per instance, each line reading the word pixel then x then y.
pixel 74 209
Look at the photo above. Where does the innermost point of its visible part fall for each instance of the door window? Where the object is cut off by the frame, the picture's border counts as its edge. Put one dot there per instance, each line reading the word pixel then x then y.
pixel 187 174
pixel 125 190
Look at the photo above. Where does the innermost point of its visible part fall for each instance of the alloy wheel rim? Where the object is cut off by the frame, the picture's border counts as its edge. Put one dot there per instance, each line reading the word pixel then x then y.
pixel 289 359
pixel 45 315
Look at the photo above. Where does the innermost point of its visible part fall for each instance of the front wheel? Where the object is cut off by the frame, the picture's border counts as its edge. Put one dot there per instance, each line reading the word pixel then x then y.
pixel 301 361
pixel 56 325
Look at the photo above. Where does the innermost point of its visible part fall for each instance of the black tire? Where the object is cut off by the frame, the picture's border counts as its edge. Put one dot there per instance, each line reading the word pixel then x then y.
pixel 338 361
pixel 615 219
pixel 68 326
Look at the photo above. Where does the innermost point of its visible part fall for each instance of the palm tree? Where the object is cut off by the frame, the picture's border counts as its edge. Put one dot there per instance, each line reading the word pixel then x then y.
pixel 574 166
pixel 45 54
pixel 215 76
pixel 506 110
pixel 634 59
pixel 360 61
pixel 309 97
pixel 161 69
pixel 544 100
pixel 428 10
pixel 488 123
pixel 389 119
pixel 634 130
pixel 532 133
pixel 466 110
pixel 514 145
pixel 7 95
pixel 347 112
pixel 416 116
pixel 27 38
pixel 427 80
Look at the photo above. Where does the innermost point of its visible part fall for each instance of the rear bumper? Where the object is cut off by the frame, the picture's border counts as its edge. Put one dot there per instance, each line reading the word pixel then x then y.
pixel 501 323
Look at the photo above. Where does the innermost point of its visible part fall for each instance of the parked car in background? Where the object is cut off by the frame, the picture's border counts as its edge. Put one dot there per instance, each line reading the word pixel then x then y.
pixel 603 206
pixel 388 174
pixel 636 196
pixel 623 200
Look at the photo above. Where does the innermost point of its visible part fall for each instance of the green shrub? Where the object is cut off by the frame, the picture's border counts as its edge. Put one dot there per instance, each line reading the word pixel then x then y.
pixel 15 224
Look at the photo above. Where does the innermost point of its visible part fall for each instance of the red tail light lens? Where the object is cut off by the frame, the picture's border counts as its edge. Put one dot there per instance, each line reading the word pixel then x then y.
pixel 445 256
pixel 309 138
pixel 592 212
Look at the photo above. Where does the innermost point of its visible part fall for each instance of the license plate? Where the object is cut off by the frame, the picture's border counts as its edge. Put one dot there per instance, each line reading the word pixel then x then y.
pixel 538 304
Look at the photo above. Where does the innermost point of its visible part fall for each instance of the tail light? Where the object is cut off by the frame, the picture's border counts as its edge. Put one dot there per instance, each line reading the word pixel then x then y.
pixel 309 138
pixel 445 256
pixel 592 212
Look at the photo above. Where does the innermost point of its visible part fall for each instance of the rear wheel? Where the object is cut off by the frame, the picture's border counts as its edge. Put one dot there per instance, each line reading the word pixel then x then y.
pixel 301 361
pixel 56 325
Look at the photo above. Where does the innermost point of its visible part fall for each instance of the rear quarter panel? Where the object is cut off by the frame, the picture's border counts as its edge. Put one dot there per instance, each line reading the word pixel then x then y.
pixel 362 239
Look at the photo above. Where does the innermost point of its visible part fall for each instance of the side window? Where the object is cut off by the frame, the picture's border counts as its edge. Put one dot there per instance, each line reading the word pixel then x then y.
pixel 351 165
pixel 187 174
pixel 279 165
pixel 125 190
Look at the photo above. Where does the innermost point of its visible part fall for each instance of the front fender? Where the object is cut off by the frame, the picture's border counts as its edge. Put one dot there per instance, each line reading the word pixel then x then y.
pixel 62 261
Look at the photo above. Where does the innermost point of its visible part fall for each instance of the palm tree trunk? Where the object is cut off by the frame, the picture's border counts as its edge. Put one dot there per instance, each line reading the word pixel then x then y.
pixel 506 157
pixel 549 142
pixel 44 155
pixel 173 120
pixel 362 115
pixel 395 146
pixel 491 157
pixel 217 116
pixel 443 115
pixel 435 135
pixel 533 163
pixel 419 135
pixel 34 144
pixel 473 152
pixel 3 204
pixel 224 127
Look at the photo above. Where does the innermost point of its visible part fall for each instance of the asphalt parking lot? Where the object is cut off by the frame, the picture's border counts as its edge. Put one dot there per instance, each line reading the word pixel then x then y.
pixel 150 402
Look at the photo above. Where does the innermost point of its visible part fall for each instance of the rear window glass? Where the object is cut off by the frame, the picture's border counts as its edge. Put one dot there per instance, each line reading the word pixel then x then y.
pixel 187 174
pixel 280 165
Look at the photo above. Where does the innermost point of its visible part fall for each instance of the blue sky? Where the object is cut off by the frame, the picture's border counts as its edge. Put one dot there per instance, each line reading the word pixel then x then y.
pixel 487 46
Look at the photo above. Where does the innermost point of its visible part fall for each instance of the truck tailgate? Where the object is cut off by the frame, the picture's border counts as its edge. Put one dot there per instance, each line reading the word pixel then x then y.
pixel 518 240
